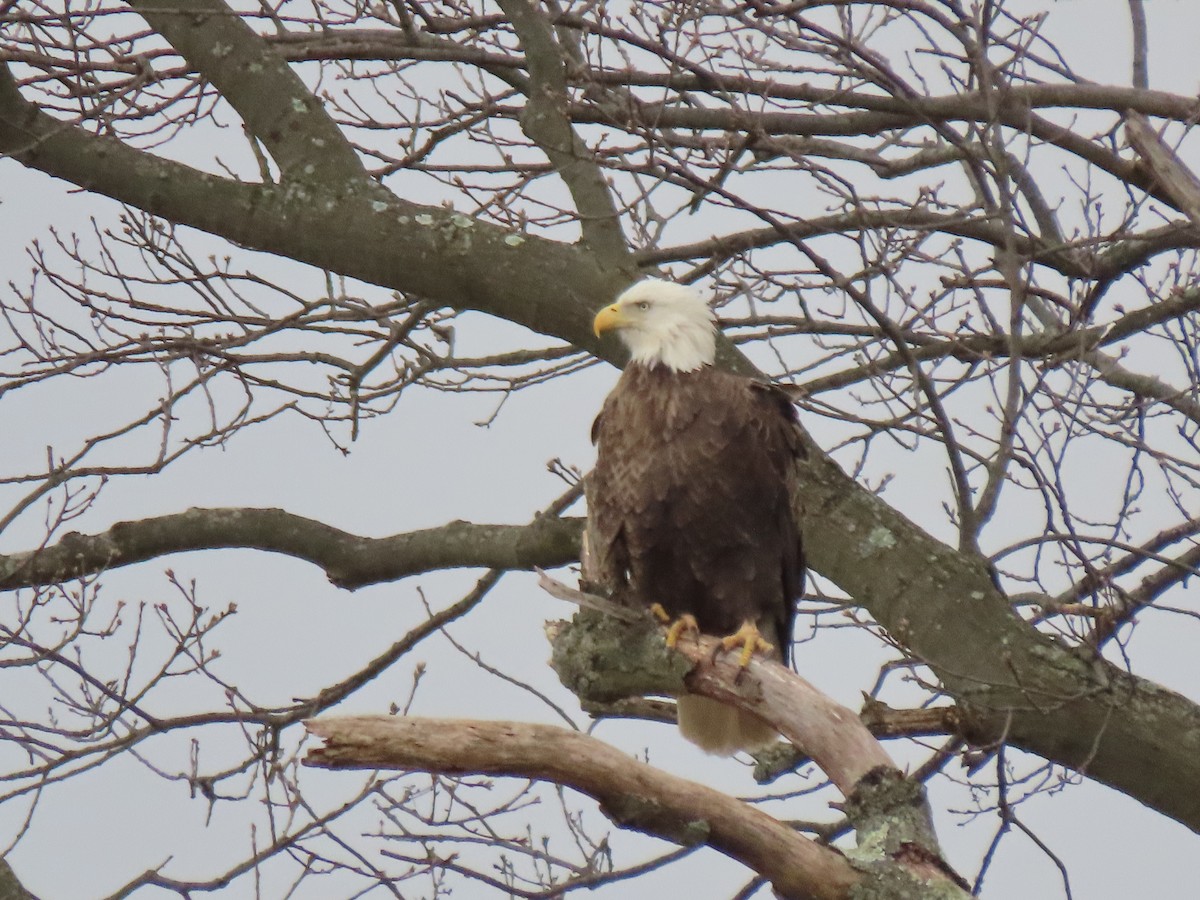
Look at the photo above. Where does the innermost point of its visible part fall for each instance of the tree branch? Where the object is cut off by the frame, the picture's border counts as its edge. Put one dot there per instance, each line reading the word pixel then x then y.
pixel 545 122
pixel 1012 114
pixel 604 660
pixel 350 561
pixel 598 660
pixel 275 104
pixel 1168 170
pixel 1011 682
pixel 10 886
pixel 550 287
pixel 373 44
pixel 631 793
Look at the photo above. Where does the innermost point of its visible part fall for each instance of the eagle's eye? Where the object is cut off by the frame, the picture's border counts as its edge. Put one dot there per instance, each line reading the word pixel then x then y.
pixel 644 305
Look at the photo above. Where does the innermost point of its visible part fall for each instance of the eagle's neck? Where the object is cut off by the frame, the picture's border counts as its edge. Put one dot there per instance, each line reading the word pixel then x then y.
pixel 685 348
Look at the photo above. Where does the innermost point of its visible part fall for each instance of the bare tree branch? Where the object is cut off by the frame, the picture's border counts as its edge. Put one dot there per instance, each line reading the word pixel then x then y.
pixel 349 561
pixel 602 664
pixel 1174 178
pixel 10 887
pixel 1072 707
pixel 275 104
pixel 384 241
pixel 631 793
pixel 545 121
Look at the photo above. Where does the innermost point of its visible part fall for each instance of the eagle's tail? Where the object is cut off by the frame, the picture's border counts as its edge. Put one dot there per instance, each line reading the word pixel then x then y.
pixel 719 729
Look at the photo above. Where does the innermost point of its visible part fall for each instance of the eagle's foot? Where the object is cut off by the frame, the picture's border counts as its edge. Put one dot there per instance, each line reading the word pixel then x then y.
pixel 750 640
pixel 685 624
pixel 659 612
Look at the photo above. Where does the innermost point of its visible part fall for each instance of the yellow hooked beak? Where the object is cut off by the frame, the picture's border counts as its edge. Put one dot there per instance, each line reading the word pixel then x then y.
pixel 609 318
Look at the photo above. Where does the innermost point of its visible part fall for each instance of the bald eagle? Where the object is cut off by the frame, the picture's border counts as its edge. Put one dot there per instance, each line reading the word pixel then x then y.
pixel 689 502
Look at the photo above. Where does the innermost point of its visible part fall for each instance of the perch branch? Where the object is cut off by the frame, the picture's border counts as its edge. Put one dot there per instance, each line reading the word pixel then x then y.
pixel 831 734
pixel 604 660
pixel 273 101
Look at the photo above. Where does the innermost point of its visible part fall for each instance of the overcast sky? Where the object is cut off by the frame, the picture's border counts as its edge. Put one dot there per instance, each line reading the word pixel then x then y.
pixel 429 462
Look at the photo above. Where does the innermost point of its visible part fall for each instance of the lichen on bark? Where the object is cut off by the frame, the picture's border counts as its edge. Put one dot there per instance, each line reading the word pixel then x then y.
pixel 888 812
pixel 602 659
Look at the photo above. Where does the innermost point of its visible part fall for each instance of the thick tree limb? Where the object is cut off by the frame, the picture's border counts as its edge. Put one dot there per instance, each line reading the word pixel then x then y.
pixel 592 648
pixel 1168 170
pixel 631 793
pixel 1011 682
pixel 358 231
pixel 350 561
pixel 10 886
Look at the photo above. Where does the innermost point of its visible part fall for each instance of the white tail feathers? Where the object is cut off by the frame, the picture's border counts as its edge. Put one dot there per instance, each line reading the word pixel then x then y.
pixel 719 729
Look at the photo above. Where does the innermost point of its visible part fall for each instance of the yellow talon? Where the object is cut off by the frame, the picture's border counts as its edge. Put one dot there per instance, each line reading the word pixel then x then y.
pixel 748 638
pixel 659 612
pixel 686 622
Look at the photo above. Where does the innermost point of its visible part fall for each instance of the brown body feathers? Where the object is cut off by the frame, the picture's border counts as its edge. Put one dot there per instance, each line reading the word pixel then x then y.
pixel 689 507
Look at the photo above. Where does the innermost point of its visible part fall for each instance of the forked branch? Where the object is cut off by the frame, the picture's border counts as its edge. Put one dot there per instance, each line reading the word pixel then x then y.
pixel 603 659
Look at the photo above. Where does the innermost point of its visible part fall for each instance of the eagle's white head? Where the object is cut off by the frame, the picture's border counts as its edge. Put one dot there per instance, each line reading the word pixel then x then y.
pixel 662 322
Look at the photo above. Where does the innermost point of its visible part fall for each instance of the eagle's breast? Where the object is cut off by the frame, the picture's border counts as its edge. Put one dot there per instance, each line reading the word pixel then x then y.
pixel 689 504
